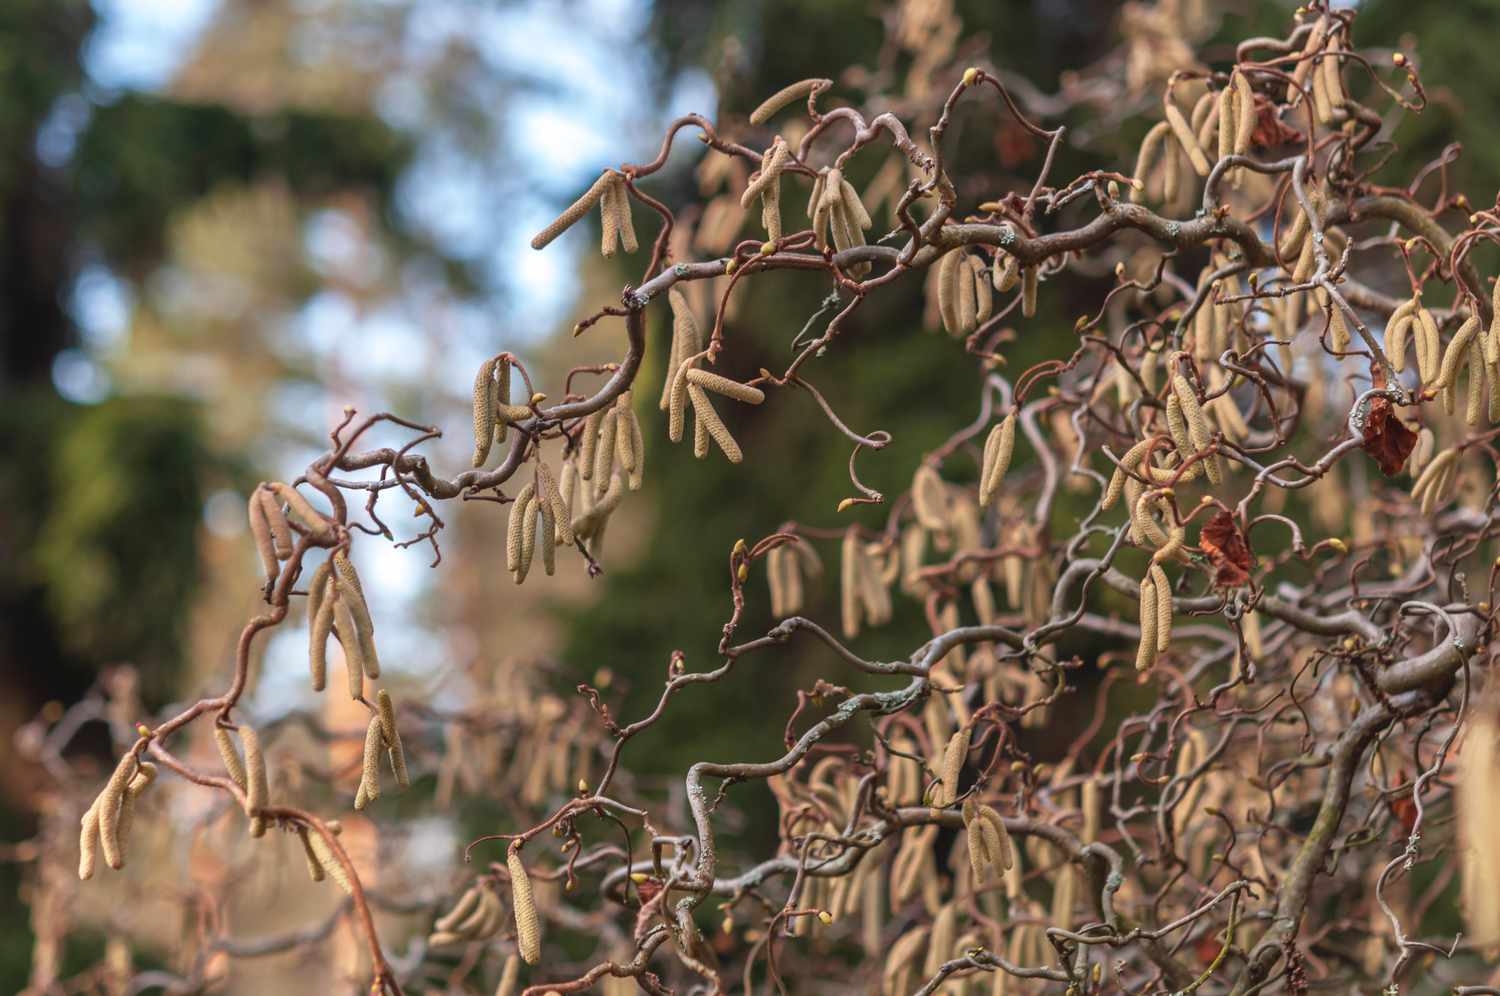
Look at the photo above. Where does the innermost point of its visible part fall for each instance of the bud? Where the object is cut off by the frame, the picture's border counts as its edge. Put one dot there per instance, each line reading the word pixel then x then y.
pixel 766 248
pixel 971 75
pixel 823 915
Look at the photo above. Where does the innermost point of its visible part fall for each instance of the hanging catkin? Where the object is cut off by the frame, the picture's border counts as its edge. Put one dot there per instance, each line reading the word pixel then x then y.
pixel 1185 137
pixel 316 523
pixel 369 783
pixel 1146 654
pixel 528 930
pixel 953 763
pixel 231 757
pixel 484 412
pixel 351 595
pixel 392 737
pixel 260 530
pixel 354 661
pixel 257 787
pixel 708 420
pixel 998 449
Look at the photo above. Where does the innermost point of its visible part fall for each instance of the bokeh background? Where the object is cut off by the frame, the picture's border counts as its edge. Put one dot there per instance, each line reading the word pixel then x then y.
pixel 221 221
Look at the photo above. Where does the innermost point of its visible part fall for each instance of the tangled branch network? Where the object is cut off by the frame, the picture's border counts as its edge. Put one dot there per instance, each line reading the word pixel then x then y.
pixel 1297 779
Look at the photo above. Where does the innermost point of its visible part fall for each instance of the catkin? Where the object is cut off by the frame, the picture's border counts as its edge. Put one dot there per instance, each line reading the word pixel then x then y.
pixel 1200 433
pixel 231 757
pixel 729 388
pixel 88 842
pixel 528 931
pixel 686 341
pixel 953 763
pixel 314 866
pixel 546 487
pixel 604 452
pixel 257 787
pixel 948 275
pixel 998 449
pixel 1119 477
pixel 781 98
pixel 108 805
pixel 1145 159
pixel 968 300
pixel 1396 330
pixel 392 737
pixel 484 412
pixel 1226 122
pixel 625 452
pixel 984 291
pixel 1457 353
pixel 708 419
pixel 281 533
pixel 354 659
pixel 1029 277
pixel 1244 112
pixel 1163 607
pixel 369 783
pixel 576 210
pixel 1146 654
pixel 352 596
pixel 320 622
pixel 1005 272
pixel 997 837
pixel 260 529
pixel 1185 137
pixel 528 537
pixel 315 522
pixel 510 976
pixel 1428 357
pixel 615 206
pixel 518 511
pixel 329 861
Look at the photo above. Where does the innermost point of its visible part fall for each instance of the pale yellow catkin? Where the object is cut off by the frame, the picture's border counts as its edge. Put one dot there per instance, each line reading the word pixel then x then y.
pixel 484 412
pixel 604 452
pixel 1119 477
pixel 574 211
pixel 329 861
pixel 260 530
pixel 1005 272
pixel 352 597
pixel 786 95
pixel 1428 357
pixel 257 787
pixel 1457 353
pixel 1244 112
pixel 518 511
pixel 948 290
pixel 849 582
pixel 772 162
pixel 510 976
pixel 997 837
pixel 354 660
pixel 320 596
pixel 314 866
pixel 618 226
pixel 528 539
pixel 88 842
pixel 984 291
pixel 546 486
pixel 625 452
pixel 685 341
pixel 108 806
pixel 1226 122
pixel 588 440
pixel 1478 811
pixel 953 763
pixel 1185 137
pixel 729 388
pixel 968 300
pixel 1163 606
pixel 231 757
pixel 1146 654
pixel 703 412
pixel 392 737
pixel 1029 279
pixel 998 449
pixel 547 531
pixel 369 784
pixel 1145 159
pixel 528 929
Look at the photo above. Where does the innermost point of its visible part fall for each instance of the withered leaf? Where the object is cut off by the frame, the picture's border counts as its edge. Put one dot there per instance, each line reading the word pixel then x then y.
pixel 1387 438
pixel 1224 545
